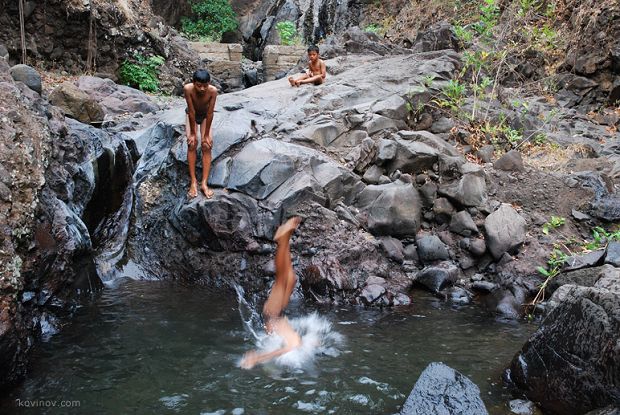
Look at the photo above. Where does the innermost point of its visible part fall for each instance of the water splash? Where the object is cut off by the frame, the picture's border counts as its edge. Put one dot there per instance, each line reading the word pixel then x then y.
pixel 252 321
pixel 316 332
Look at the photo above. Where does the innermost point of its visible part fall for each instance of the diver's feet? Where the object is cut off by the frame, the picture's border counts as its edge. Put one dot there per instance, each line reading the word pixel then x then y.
pixel 193 190
pixel 287 228
pixel 205 189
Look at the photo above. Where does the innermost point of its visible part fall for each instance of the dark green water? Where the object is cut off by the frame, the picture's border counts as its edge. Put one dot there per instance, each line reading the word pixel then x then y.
pixel 149 347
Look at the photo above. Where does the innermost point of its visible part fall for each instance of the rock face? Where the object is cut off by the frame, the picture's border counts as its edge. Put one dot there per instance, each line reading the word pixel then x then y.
pixel 571 364
pixel 442 390
pixel 59 181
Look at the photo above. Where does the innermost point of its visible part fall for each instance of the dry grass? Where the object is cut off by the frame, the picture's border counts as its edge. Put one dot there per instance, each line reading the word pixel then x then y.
pixel 552 157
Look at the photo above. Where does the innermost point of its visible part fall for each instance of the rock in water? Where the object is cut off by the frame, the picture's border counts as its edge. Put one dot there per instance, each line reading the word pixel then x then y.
pixel 442 390
pixel 571 365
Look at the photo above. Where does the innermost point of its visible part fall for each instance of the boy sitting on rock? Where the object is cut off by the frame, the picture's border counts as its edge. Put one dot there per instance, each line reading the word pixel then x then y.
pixel 316 70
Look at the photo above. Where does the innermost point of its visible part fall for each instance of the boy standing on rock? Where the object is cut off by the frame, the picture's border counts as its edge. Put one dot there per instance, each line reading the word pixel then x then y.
pixel 316 70
pixel 200 97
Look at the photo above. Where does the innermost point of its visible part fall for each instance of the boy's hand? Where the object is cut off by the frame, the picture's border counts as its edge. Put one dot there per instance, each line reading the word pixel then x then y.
pixel 208 141
pixel 191 140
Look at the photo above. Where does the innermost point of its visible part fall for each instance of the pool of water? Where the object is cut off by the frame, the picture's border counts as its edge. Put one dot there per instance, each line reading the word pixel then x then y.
pixel 146 347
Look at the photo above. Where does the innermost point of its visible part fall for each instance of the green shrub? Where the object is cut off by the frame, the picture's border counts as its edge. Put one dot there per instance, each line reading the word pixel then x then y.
pixel 142 73
pixel 212 19
pixel 288 33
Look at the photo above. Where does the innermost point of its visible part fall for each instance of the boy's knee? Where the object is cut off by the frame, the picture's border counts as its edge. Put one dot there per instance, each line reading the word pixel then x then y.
pixel 205 149
pixel 191 147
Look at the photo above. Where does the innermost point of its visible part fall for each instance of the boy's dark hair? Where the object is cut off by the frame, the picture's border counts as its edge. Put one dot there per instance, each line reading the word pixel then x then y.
pixel 202 76
pixel 313 48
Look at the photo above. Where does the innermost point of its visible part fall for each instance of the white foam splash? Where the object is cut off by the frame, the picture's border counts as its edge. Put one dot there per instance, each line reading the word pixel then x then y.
pixel 317 338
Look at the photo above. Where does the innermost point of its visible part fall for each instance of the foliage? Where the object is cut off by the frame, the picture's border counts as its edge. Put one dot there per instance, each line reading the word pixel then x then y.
pixel 600 238
pixel 212 19
pixel 553 223
pixel 453 93
pixel 489 13
pixel 288 33
pixel 372 28
pixel 141 73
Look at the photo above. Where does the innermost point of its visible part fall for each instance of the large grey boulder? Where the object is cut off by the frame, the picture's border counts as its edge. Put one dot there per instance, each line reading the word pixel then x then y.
pixel 391 209
pixel 571 364
pixel 28 75
pixel 116 99
pixel 441 390
pixel 75 103
pixel 505 230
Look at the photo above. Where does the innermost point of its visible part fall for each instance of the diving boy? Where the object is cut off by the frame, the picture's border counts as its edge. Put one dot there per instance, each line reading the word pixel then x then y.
pixel 275 321
pixel 316 70
pixel 200 97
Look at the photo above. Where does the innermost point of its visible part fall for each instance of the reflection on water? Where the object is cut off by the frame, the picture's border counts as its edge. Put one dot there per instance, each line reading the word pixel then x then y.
pixel 148 347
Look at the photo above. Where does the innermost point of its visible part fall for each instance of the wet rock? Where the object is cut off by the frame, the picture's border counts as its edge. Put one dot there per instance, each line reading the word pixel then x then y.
pixel 431 248
pixel 612 256
pixel 401 299
pixel 391 209
pixel 436 277
pixel 442 390
pixel 372 293
pixel 393 248
pixel 458 295
pixel 505 230
pixel 610 410
pixel 76 103
pixel 521 407
pixel 484 286
pixel 463 224
pixel 584 261
pixel 570 364
pixel 28 75
pixel 508 306
pixel 511 161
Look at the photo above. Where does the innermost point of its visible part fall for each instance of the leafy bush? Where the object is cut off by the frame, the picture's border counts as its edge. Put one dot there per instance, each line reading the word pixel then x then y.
pixel 142 73
pixel 212 19
pixel 288 33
